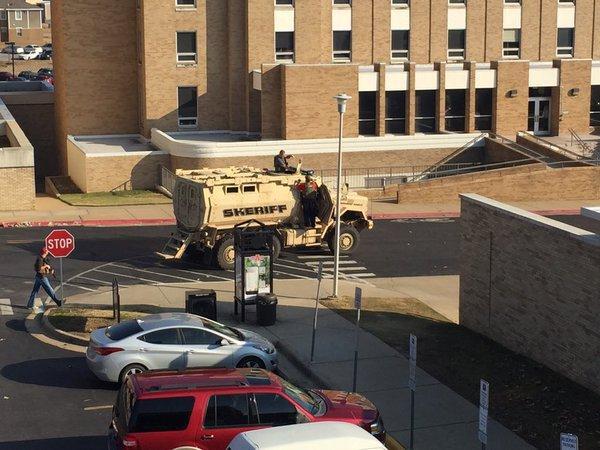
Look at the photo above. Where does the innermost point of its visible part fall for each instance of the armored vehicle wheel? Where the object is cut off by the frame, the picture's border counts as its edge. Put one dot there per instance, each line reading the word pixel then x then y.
pixel 349 239
pixel 225 253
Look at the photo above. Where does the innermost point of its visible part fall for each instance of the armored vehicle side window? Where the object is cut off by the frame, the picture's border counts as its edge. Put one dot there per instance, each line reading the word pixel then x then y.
pixel 231 190
pixel 249 188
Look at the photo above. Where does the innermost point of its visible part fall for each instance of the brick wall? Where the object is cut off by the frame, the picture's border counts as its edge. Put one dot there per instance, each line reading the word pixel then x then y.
pixel 309 109
pixel 510 113
pixel 17 185
pixel 573 110
pixel 524 183
pixel 28 36
pixel 96 86
pixel 532 284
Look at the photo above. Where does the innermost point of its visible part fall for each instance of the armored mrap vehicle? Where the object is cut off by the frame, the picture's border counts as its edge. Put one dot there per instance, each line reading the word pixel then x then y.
pixel 208 203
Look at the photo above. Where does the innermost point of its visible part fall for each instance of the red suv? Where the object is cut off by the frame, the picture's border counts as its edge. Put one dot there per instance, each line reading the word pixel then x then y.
pixel 206 408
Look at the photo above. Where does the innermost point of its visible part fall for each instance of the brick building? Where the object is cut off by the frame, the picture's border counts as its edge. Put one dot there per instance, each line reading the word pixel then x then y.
pixel 268 68
pixel 21 22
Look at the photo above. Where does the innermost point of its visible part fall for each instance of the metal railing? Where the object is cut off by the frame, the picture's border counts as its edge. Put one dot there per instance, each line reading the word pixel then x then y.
pixel 378 177
pixel 585 148
pixel 167 179
pixel 551 146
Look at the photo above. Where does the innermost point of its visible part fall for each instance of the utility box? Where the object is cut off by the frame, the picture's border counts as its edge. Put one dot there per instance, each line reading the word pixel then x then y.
pixel 253 268
pixel 202 302
pixel 266 310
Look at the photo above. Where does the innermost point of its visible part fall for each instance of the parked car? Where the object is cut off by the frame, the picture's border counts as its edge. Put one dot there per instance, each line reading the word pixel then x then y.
pixel 46 78
pixel 34 48
pixel 47 47
pixel 6 76
pixel 27 54
pixel 46 54
pixel 28 74
pixel 46 71
pixel 207 408
pixel 13 48
pixel 307 436
pixel 174 341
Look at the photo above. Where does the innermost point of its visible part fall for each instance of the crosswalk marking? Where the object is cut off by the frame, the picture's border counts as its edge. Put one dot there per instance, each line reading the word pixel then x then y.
pixel 330 263
pixel 5 307
pixel 363 275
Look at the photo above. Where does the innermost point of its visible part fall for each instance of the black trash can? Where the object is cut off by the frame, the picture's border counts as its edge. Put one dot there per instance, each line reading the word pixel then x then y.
pixel 202 302
pixel 266 309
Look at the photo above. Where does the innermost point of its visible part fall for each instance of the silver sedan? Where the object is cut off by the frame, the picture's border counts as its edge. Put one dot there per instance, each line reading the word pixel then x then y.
pixel 174 341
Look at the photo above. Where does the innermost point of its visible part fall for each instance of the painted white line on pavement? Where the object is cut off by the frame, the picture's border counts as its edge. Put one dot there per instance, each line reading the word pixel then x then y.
pixel 79 287
pixel 128 276
pixel 155 273
pixel 108 283
pixel 330 263
pixel 5 307
pixel 204 274
pixel 363 275
pixel 345 269
pixel 312 271
pixel 302 277
pixel 320 256
pixel 96 408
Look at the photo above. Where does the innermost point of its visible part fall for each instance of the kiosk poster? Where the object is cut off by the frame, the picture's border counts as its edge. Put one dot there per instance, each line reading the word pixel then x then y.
pixel 257 270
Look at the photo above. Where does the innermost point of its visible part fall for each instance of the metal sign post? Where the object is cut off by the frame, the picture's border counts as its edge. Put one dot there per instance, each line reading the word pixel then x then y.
pixel 412 384
pixel 568 442
pixel 484 403
pixel 116 300
pixel 314 333
pixel 357 306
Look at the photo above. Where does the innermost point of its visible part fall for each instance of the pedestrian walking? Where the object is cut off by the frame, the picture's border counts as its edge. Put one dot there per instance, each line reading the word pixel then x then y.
pixel 42 270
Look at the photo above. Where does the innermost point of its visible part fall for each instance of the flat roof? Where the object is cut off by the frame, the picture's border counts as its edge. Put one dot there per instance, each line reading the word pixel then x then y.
pixel 116 145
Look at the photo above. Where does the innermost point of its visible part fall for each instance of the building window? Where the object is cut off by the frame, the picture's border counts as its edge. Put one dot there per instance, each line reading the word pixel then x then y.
pixel 456 2
pixel 511 43
pixel 19 31
pixel 483 109
pixel 342 45
pixel 425 104
pixel 595 106
pixel 284 2
pixel 342 2
pixel 186 47
pixel 400 2
pixel 400 44
pixel 367 109
pixel 2 15
pixel 455 110
pixel 456 44
pixel 18 15
pixel 512 2
pixel 564 44
pixel 572 2
pixel 284 46
pixel 187 111
pixel 395 112
pixel 185 3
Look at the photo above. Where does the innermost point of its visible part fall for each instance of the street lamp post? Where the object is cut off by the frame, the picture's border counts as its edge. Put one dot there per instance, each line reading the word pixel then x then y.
pixel 342 100
pixel 12 52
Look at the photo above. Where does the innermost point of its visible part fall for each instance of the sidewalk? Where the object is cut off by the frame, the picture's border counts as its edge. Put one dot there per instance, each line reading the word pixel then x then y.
pixel 443 419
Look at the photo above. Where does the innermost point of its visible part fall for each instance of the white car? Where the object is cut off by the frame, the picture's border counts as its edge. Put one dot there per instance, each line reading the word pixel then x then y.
pixel 9 49
pixel 34 48
pixel 27 54
pixel 307 436
pixel 174 341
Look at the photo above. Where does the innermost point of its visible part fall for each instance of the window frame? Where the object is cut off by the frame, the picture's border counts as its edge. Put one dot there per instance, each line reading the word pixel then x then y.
pixel 178 6
pixel 180 54
pixel 284 57
pixel 452 117
pixel 399 54
pixel 292 3
pixel 457 54
pixel 142 337
pixel 424 118
pixel 570 49
pixel 135 413
pixel 251 411
pixel 389 118
pixel 216 342
pixel 18 15
pixel 400 4
pixel 369 120
pixel 181 119
pixel 595 113
pixel 507 50
pixel 489 116
pixel 341 55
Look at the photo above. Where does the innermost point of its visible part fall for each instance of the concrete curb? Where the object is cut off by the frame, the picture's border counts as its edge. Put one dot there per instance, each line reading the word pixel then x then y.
pixel 69 337
pixel 34 326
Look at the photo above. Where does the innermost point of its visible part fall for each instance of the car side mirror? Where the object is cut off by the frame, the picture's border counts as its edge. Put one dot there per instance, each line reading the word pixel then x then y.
pixel 224 342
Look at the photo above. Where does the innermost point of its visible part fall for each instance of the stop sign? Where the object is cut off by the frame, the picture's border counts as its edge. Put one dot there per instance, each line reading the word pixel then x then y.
pixel 60 243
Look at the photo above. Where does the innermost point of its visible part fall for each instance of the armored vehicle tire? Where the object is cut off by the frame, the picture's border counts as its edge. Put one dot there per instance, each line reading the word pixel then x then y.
pixel 349 239
pixel 225 253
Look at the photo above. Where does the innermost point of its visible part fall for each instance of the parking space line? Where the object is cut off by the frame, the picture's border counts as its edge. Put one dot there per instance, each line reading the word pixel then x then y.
pixel 96 408
pixel 302 277
pixel 128 276
pixel 309 270
pixel 363 275
pixel 155 273
pixel 319 256
pixel 330 263
pixel 108 283
pixel 6 307
pixel 205 274
pixel 79 287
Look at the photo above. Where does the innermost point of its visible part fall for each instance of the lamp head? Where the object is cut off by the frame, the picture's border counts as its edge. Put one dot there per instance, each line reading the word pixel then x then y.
pixel 342 99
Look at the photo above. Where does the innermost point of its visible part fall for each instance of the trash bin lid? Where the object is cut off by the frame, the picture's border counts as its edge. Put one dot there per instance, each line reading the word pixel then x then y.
pixel 266 299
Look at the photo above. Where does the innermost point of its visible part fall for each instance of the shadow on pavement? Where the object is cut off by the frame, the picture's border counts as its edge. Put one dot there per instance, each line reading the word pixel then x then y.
pixel 71 373
pixel 16 325
pixel 73 443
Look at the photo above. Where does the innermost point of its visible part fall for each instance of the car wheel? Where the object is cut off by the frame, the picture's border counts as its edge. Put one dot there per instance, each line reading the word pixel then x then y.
pixel 349 239
pixel 131 369
pixel 226 253
pixel 251 362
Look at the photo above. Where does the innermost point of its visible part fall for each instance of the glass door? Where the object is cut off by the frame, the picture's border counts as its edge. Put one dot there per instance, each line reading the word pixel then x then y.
pixel 538 115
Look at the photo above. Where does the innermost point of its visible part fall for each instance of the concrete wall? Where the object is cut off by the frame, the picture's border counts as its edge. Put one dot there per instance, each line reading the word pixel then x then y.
pixel 17 188
pixel 524 183
pixel 531 284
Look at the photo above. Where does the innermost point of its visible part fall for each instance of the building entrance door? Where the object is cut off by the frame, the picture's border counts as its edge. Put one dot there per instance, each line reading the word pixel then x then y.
pixel 538 116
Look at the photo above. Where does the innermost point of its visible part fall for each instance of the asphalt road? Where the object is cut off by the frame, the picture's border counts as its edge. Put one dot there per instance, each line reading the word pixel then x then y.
pixel 48 398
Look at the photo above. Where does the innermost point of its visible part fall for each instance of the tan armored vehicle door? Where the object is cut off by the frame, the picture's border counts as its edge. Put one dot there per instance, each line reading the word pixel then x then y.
pixel 325 206
pixel 188 204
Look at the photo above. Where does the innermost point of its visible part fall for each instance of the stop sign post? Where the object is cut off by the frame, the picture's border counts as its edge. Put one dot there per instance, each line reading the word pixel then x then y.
pixel 60 244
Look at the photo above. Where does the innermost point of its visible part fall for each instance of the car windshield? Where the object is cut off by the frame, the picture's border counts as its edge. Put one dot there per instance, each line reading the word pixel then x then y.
pixel 219 328
pixel 122 330
pixel 311 402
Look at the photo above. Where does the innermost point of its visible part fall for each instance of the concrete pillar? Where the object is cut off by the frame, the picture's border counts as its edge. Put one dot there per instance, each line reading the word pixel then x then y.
pixel 410 98
pixel 380 104
pixel 471 66
pixel 441 97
